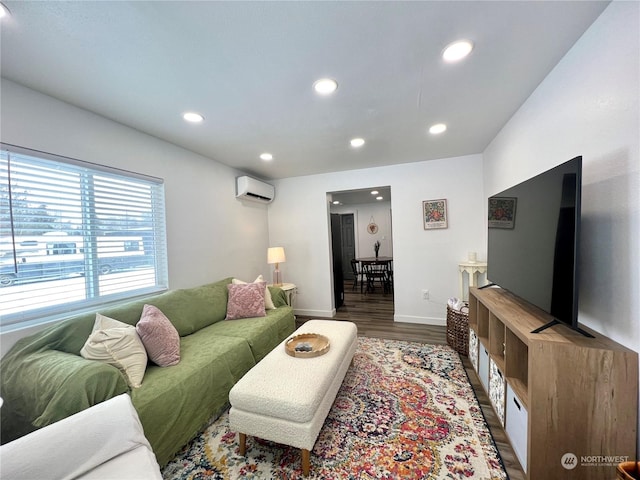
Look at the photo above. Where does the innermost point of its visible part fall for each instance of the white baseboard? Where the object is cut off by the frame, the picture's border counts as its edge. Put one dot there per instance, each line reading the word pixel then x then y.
pixel 396 318
pixel 315 313
pixel 442 322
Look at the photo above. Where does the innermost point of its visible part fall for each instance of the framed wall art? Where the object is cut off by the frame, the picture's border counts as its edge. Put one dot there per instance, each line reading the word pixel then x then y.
pixel 372 228
pixel 502 212
pixel 434 214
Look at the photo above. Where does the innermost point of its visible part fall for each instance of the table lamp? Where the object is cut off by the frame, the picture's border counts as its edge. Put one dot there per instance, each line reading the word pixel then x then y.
pixel 276 255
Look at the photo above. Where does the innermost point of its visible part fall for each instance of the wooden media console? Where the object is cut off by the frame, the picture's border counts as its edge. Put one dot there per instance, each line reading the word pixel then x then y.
pixel 568 403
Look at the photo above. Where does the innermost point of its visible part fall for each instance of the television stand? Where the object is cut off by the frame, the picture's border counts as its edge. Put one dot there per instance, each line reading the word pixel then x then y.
pixel 555 392
pixel 558 322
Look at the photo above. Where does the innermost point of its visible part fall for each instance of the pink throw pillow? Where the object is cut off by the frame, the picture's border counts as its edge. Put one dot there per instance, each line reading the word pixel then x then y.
pixel 245 300
pixel 159 337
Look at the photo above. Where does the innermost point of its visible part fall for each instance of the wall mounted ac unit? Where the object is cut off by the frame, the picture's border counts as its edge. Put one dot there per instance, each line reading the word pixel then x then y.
pixel 248 188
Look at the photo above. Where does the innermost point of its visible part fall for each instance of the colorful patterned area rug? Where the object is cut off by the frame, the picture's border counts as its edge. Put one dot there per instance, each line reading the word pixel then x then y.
pixel 404 411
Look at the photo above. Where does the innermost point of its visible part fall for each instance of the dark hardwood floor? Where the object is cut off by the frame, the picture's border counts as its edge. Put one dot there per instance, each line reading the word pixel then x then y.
pixel 373 314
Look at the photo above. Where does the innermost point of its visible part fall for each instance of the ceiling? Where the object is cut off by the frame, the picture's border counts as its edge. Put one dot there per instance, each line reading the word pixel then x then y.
pixel 248 67
pixel 362 196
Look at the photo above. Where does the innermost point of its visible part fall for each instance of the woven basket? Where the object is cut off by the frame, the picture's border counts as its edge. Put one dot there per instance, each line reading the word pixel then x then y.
pixel 628 471
pixel 458 330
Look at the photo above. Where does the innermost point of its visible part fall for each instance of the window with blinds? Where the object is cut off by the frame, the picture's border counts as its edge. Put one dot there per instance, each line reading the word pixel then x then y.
pixel 74 235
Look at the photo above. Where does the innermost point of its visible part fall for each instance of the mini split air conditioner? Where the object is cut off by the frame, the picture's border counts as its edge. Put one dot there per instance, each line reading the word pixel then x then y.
pixel 248 188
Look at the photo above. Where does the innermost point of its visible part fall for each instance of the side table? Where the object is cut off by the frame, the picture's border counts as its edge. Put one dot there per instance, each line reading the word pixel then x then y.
pixel 472 269
pixel 290 292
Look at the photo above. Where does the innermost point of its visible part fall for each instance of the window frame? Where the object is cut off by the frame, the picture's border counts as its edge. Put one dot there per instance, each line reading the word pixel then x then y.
pixel 151 240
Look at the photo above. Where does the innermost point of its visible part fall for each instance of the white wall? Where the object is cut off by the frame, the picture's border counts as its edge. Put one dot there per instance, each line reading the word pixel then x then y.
pixel 362 215
pixel 210 234
pixel 423 259
pixel 588 105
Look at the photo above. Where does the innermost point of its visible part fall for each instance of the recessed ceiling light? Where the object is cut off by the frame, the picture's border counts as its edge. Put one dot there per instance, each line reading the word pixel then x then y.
pixel 437 128
pixel 325 86
pixel 374 192
pixel 266 156
pixel 193 117
pixel 336 202
pixel 357 142
pixel 378 198
pixel 457 50
pixel 4 11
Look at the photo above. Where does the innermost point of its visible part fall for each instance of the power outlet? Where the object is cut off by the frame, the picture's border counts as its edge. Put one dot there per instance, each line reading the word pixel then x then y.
pixel 425 294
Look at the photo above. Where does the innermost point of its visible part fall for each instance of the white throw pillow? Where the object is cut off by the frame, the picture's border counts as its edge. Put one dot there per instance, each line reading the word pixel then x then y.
pixel 117 344
pixel 268 301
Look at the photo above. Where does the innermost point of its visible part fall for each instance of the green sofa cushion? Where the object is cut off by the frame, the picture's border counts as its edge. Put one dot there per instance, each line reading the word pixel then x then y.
pixel 50 385
pixel 195 308
pixel 262 333
pixel 278 296
pixel 174 403
pixel 188 309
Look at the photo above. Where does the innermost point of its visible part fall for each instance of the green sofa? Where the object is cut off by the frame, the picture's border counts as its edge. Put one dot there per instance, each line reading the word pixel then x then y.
pixel 44 378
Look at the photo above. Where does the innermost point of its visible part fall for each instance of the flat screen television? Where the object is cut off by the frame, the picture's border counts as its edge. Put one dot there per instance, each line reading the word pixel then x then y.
pixel 534 238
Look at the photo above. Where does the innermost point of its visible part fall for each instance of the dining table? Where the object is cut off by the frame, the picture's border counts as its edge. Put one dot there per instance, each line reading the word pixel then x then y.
pixel 375 259
pixel 377 268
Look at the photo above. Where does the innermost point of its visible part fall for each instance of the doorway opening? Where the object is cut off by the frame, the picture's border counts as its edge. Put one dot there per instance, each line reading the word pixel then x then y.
pixel 361 231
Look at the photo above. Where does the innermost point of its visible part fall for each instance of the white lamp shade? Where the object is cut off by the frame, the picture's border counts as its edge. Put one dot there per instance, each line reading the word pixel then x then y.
pixel 276 255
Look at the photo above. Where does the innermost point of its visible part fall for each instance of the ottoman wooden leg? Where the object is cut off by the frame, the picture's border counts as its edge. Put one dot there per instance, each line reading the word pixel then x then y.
pixel 242 440
pixel 306 454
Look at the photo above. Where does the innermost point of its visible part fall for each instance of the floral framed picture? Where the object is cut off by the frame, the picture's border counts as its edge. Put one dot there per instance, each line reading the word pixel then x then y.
pixel 434 214
pixel 502 212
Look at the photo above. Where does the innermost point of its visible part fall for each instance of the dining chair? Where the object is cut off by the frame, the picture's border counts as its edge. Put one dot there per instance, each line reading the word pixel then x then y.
pixel 389 277
pixel 358 274
pixel 375 271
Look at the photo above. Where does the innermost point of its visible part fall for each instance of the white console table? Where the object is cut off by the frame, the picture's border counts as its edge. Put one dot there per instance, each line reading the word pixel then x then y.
pixel 473 270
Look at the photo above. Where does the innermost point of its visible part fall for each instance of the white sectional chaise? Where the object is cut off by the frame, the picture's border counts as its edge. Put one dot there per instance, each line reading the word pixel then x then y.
pixel 101 442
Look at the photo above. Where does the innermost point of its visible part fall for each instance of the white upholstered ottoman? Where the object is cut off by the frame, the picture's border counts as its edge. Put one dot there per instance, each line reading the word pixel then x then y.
pixel 286 399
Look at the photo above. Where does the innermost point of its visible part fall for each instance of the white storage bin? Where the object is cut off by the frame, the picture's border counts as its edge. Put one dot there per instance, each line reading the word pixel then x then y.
pixel 517 426
pixel 496 389
pixel 473 349
pixel 483 366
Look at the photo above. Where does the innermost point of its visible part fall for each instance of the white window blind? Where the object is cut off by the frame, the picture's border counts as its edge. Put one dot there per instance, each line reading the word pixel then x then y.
pixel 74 235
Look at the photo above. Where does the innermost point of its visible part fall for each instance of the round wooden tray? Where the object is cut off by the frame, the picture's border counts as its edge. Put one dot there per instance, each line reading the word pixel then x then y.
pixel 307 345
